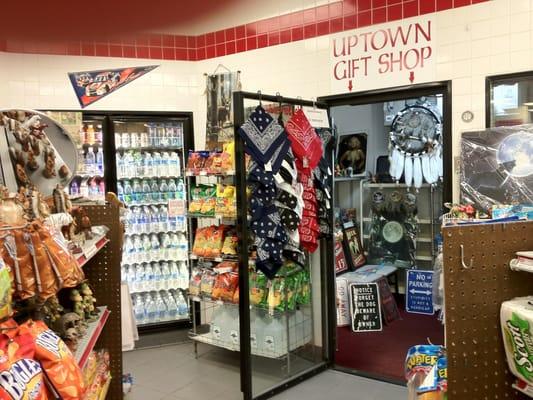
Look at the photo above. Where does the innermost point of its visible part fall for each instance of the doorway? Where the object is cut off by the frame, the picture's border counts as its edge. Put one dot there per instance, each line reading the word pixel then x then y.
pixel 388 223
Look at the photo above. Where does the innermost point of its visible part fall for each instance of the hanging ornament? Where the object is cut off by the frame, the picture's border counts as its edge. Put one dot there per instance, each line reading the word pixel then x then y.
pixel 415 142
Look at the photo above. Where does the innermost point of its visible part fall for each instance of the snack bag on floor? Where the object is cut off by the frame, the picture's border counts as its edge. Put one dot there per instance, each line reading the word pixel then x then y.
pixel 418 365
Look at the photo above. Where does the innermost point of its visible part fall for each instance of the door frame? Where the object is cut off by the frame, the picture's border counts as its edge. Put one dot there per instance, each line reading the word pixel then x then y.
pixel 380 96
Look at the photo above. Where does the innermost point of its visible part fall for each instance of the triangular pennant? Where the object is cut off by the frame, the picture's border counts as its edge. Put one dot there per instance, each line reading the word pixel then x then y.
pixel 91 86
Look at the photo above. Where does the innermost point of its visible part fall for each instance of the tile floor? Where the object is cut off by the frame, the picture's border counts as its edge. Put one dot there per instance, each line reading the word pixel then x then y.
pixel 173 373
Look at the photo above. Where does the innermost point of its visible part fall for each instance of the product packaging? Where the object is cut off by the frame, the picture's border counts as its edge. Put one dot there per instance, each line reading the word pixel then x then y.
pixel 424 382
pixel 516 318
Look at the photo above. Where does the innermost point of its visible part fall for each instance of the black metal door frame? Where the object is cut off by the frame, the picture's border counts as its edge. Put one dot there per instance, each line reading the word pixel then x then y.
pixel 380 96
pixel 326 258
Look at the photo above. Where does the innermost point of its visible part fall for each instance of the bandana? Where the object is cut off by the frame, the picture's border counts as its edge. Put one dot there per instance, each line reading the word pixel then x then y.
pixel 306 144
pixel 262 136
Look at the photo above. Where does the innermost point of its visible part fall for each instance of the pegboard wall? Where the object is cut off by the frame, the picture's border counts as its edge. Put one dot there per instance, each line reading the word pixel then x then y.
pixel 103 273
pixel 477 367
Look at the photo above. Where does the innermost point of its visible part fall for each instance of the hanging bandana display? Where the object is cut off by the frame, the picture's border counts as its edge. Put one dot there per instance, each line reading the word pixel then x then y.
pixel 416 146
pixel 306 145
pixel 262 136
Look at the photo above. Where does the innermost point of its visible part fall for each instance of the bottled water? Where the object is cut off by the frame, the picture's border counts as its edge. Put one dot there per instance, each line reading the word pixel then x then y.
pixel 174 274
pixel 163 190
pixel 143 139
pixel 134 140
pixel 157 163
pixel 139 309
pixel 149 276
pixel 154 226
pixel 131 277
pixel 162 136
pixel 157 277
pixel 164 239
pixel 90 160
pixel 172 307
pixel 124 274
pixel 100 161
pixel 129 250
pixel 139 164
pixel 183 246
pixel 151 134
pixel 137 191
pixel 172 189
pixel 178 129
pixel 147 191
pixel 118 140
pixel 180 188
pixel 151 309
pixel 120 166
pixel 184 275
pixel 155 251
pixel 129 168
pixel 147 211
pixel 148 165
pixel 174 167
pixel 125 140
pixel 155 190
pixel 183 307
pixel 140 277
pixel 165 164
pixel 161 308
pixel 174 245
pixel 171 139
pixel 165 274
pixel 163 218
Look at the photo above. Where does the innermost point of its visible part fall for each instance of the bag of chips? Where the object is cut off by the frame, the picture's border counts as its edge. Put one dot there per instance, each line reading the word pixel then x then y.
pixel 419 364
pixel 258 288
pixel 214 241
pixel 59 364
pixel 304 290
pixel 200 241
pixel 21 377
pixel 195 282
pixel 207 283
pixel 230 243
pixel 208 201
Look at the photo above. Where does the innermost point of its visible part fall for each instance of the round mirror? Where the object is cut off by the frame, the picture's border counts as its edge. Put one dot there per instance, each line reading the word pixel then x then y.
pixel 35 150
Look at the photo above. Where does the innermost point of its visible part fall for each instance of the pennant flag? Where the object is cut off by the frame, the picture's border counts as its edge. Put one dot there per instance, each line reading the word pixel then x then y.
pixel 91 86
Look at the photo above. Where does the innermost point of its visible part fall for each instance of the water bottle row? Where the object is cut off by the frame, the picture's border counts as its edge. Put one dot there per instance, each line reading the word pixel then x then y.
pixel 134 164
pixel 152 219
pixel 156 135
pixel 151 307
pixel 164 275
pixel 150 190
pixel 93 161
pixel 155 247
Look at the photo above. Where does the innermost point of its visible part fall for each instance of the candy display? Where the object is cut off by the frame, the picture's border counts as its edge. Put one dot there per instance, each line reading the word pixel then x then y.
pixel 212 163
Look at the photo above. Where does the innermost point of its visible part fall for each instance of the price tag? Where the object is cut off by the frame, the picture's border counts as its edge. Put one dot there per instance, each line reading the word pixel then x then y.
pixel 318 117
pixel 176 208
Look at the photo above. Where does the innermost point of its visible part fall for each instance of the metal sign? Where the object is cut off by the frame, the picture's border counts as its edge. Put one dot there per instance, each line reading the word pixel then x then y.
pixel 365 307
pixel 420 292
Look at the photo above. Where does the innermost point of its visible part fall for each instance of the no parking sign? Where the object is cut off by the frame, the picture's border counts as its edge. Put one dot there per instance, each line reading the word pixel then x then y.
pixel 419 292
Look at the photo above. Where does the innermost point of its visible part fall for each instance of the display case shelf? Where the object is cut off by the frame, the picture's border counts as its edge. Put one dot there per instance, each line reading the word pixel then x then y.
pixel 424 221
pixel 230 220
pixel 151 289
pixel 163 323
pixel 157 231
pixel 159 260
pixel 150 148
pixel 215 259
pixel 87 342
pixel 147 203
pixel 90 249
pixel 349 178
pixel 129 178
pixel 395 185
pixel 191 173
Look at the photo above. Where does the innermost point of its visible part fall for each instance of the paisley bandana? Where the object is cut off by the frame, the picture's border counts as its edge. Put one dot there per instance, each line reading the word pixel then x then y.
pixel 262 136
pixel 306 144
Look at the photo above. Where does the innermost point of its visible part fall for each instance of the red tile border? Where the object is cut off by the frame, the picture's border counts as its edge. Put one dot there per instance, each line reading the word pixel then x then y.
pixel 338 16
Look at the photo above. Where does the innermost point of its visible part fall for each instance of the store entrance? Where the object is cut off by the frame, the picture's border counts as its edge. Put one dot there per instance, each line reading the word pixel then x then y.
pixel 392 175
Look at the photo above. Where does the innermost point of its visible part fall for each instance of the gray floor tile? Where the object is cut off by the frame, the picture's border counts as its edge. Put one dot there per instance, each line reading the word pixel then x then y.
pixel 173 373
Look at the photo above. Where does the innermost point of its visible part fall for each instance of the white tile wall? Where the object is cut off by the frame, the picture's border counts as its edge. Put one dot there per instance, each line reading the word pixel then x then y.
pixel 471 42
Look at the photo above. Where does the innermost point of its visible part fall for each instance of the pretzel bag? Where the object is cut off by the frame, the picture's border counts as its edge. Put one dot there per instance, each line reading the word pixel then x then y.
pixel 58 362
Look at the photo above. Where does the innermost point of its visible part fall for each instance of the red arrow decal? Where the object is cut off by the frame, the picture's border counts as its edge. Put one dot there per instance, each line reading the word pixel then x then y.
pixel 412 76
pixel 350 85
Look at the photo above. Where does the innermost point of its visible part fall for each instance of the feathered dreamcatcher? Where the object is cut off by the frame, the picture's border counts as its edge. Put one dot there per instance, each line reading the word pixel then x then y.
pixel 416 146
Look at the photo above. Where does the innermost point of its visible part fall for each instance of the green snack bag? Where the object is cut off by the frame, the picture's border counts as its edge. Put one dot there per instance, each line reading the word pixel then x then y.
pixel 304 292
pixel 257 288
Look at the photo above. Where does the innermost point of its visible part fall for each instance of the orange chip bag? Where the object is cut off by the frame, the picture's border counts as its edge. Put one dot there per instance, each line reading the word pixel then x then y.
pixel 58 362
pixel 21 377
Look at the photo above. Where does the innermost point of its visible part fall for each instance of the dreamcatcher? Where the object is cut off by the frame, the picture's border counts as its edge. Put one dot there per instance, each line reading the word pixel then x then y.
pixel 416 146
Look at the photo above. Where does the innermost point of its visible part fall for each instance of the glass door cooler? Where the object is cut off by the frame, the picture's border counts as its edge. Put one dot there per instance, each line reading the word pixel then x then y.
pixel 149 160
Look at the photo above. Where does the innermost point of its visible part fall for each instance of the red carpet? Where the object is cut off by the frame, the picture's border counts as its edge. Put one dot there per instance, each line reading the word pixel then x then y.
pixel 382 354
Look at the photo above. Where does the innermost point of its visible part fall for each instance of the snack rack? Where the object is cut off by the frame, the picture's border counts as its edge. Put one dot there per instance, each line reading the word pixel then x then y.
pixel 104 276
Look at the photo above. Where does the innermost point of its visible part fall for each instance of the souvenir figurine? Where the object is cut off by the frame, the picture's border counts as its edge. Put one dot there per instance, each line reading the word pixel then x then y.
pixel 88 302
pixel 77 301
